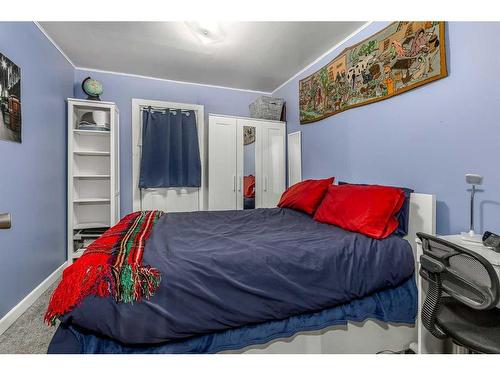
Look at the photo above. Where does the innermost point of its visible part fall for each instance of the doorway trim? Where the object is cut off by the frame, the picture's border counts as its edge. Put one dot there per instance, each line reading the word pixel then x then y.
pixel 294 146
pixel 137 104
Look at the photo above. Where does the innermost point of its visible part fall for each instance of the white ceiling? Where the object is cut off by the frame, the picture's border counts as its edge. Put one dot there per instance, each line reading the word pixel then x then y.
pixel 250 55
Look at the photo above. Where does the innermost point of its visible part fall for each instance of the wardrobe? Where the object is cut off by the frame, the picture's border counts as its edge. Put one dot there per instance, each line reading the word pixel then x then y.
pixel 246 162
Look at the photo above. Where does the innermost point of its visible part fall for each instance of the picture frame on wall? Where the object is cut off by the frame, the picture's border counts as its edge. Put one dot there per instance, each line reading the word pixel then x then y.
pixel 400 57
pixel 10 100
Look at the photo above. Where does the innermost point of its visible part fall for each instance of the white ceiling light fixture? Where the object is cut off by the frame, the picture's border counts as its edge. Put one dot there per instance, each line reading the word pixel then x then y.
pixel 207 32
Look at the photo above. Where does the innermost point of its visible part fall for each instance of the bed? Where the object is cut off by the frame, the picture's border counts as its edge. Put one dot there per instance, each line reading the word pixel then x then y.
pixel 332 291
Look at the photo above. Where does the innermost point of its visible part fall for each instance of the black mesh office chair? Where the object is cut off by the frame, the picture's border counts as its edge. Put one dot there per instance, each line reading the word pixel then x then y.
pixel 467 312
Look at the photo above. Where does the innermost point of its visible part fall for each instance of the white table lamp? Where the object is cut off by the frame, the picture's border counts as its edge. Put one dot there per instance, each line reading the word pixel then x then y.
pixel 474 180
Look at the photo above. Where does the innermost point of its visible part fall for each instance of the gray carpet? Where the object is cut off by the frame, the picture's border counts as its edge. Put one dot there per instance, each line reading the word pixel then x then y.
pixel 29 334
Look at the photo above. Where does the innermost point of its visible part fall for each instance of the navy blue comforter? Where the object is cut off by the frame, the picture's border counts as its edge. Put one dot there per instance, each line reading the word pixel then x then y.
pixel 393 305
pixel 226 269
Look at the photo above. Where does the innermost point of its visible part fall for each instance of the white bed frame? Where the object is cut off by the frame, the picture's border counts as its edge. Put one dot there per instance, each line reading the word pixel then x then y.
pixel 370 336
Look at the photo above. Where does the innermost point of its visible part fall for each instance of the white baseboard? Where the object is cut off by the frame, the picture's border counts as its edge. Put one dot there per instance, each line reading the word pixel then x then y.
pixel 27 301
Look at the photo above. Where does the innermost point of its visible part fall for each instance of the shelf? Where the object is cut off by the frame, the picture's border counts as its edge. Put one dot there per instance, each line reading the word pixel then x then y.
pixel 88 233
pixel 92 153
pixel 92 132
pixel 78 253
pixel 91 225
pixel 92 200
pixel 99 176
pixel 91 103
pixel 93 168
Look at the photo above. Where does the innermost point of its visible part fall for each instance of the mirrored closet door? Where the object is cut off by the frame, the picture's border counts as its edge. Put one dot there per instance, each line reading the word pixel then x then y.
pixel 247 165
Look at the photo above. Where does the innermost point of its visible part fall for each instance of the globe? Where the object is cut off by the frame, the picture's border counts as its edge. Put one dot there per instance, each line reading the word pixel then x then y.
pixel 92 88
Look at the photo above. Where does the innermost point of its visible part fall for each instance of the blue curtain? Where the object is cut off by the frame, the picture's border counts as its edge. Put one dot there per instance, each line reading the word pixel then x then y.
pixel 170 152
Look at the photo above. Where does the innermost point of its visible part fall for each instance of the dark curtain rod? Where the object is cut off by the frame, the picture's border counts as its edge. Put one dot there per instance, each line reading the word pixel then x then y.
pixel 158 109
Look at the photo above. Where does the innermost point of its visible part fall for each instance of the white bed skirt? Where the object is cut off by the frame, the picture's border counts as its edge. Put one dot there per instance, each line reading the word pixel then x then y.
pixel 368 337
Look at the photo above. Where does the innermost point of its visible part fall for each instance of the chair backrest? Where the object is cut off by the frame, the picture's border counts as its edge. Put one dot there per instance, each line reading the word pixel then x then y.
pixel 464 275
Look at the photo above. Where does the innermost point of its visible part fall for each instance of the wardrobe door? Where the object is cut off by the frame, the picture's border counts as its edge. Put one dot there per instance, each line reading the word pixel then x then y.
pixel 222 175
pixel 273 163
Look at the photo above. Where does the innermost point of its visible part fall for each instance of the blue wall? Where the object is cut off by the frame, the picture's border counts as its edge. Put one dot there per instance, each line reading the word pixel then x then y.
pixel 121 89
pixel 427 138
pixel 33 173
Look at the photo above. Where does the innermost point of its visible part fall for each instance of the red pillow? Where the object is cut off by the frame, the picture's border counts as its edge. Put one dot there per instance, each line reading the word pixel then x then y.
pixel 370 210
pixel 306 195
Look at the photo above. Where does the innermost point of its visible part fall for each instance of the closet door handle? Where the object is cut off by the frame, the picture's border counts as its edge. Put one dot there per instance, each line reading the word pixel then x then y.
pixel 234 182
pixel 265 183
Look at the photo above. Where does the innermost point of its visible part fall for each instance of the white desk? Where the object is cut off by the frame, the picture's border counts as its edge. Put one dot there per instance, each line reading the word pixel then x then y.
pixel 426 342
pixel 490 255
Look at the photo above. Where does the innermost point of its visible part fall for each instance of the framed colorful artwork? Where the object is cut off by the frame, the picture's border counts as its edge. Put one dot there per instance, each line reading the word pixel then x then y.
pixel 404 55
pixel 10 100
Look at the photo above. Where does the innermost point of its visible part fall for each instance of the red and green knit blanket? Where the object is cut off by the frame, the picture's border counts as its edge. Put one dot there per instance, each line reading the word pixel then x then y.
pixel 111 265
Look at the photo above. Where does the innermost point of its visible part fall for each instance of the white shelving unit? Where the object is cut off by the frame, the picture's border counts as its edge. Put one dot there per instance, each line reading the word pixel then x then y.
pixel 93 174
